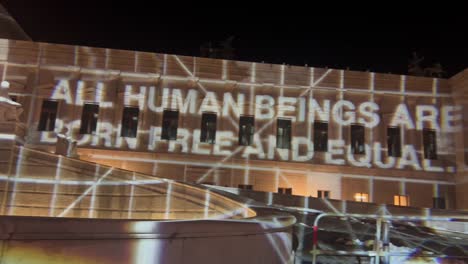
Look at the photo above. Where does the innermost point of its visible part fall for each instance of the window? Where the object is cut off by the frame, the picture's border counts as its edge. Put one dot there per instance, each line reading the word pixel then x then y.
pixel 170 124
pixel 129 122
pixel 321 136
pixel 401 200
pixel 323 194
pixel 48 115
pixel 208 128
pixel 357 139
pixel 429 141
pixel 438 202
pixel 14 98
pixel 361 197
pixel 246 130
pixel 246 186
pixel 394 142
pixel 285 190
pixel 283 133
pixel 89 119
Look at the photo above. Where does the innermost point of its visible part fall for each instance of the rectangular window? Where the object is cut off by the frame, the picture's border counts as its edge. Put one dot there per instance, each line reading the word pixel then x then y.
pixel 430 147
pixel 246 186
pixel 14 98
pixel 357 139
pixel 361 197
pixel 321 136
pixel 394 142
pixel 246 130
pixel 48 115
pixel 283 133
pixel 323 194
pixel 208 128
pixel 89 119
pixel 438 202
pixel 129 122
pixel 401 200
pixel 170 125
pixel 285 190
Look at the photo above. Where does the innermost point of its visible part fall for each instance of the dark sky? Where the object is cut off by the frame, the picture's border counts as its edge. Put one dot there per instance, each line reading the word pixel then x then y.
pixel 274 35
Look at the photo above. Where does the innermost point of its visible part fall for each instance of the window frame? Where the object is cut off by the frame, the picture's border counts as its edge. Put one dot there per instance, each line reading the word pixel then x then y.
pixel 240 135
pixel 46 122
pixel 353 139
pixel 397 153
pixel 426 133
pixel 397 200
pixel 204 135
pixel 285 190
pixel 288 136
pixel 317 138
pixel 83 130
pixel 132 131
pixel 361 197
pixel 324 194
pixel 245 186
pixel 165 133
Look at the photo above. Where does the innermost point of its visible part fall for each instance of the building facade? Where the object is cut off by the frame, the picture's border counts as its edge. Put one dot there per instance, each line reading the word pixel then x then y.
pixel 328 133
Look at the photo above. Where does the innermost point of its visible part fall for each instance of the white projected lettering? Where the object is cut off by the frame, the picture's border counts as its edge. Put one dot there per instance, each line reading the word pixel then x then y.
pixel 341 113
pixel 402 117
pixel 287 107
pixel 264 107
pixel 229 106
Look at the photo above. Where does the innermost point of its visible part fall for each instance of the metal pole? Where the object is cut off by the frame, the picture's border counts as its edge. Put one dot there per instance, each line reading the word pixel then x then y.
pixel 386 240
pixel 378 225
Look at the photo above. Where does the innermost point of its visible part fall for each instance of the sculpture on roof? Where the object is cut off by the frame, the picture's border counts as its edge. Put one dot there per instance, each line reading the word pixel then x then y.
pixel 10 110
pixel 416 69
pixel 414 65
pixel 435 70
pixel 223 49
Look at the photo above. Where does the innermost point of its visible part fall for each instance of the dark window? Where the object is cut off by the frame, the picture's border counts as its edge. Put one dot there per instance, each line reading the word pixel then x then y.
pixel 129 122
pixel 357 139
pixel 430 147
pixel 283 134
pixel 438 202
pixel 48 115
pixel 321 136
pixel 394 142
pixel 170 124
pixel 208 128
pixel 323 194
pixel 246 130
pixel 89 119
pixel 14 98
pixel 285 190
pixel 246 186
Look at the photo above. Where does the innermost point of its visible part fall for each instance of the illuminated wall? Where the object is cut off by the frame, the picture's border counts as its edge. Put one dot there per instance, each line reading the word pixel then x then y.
pixel 152 83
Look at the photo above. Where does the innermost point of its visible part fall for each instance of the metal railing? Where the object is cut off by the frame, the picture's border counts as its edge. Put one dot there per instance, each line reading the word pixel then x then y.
pixel 381 246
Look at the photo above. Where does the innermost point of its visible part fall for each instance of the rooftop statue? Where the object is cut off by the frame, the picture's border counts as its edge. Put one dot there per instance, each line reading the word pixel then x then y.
pixel 414 65
pixel 434 71
pixel 10 110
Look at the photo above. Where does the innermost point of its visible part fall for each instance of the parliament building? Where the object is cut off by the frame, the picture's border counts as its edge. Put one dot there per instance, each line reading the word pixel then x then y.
pixel 320 132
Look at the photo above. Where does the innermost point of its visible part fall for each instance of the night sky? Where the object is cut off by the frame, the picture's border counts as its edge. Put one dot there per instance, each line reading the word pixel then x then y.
pixel 298 36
